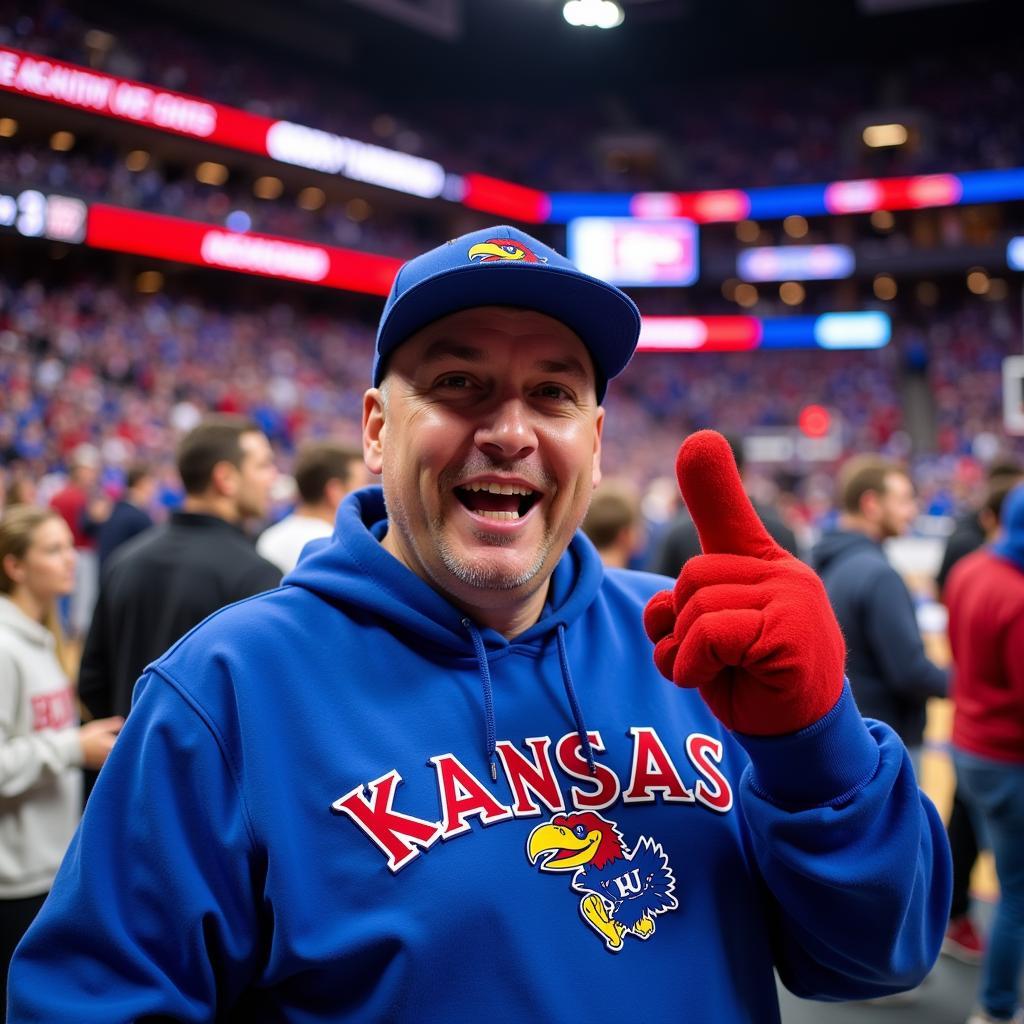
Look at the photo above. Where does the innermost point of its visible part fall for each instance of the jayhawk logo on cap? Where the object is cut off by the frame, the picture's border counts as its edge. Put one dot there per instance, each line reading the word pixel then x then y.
pixel 623 890
pixel 495 249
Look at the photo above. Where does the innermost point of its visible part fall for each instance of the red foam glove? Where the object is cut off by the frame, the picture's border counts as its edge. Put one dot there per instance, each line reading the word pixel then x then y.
pixel 747 624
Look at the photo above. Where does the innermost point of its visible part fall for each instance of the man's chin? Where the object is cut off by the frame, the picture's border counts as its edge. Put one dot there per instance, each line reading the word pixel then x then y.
pixel 497 570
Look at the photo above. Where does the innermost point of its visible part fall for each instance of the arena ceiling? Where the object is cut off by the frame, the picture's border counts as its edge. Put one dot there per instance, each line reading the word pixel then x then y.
pixel 522 48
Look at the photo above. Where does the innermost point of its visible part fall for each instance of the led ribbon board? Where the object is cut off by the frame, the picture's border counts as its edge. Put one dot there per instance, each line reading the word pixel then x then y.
pixel 69 85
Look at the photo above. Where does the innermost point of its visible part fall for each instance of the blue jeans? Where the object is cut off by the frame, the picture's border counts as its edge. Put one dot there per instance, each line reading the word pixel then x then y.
pixel 995 792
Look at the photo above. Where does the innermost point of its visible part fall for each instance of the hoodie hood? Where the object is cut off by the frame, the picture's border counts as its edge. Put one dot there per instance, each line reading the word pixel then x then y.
pixel 352 569
pixel 13 618
pixel 1010 544
pixel 838 544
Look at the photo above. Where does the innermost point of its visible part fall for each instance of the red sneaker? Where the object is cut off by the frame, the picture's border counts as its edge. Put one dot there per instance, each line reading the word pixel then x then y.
pixel 962 941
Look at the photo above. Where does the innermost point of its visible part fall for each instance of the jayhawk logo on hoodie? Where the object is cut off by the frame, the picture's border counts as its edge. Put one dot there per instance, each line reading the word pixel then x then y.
pixel 495 249
pixel 623 890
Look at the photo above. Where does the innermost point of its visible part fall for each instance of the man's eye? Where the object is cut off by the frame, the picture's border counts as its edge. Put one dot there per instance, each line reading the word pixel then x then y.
pixel 458 381
pixel 554 391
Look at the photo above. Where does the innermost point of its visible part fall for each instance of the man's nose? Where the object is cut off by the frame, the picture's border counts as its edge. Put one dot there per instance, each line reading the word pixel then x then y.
pixel 507 431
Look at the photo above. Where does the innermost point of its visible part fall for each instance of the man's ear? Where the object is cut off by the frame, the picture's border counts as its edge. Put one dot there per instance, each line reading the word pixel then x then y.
pixel 373 430
pixel 598 427
pixel 871 506
pixel 334 492
pixel 224 479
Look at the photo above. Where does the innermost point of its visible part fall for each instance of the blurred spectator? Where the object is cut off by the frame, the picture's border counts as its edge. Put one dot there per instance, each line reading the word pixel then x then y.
pixel 324 473
pixel 165 581
pixel 129 515
pixel 890 674
pixel 83 507
pixel 614 523
pixel 21 488
pixel 42 747
pixel 974 527
pixel 985 597
pixel 128 374
pixel 680 541
pixel 963 940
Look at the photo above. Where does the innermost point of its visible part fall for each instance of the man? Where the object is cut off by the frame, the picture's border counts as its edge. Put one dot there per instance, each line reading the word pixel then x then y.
pixel 614 523
pixel 889 671
pixel 129 515
pixel 679 543
pixel 250 855
pixel 159 585
pixel 324 473
pixel 985 596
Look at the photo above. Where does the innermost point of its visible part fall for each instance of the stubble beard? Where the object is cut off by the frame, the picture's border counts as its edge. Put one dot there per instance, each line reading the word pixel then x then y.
pixel 470 574
pixel 484 577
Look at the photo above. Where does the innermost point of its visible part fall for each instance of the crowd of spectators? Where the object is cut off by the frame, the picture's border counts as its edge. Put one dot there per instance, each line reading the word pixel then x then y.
pixel 754 130
pixel 91 363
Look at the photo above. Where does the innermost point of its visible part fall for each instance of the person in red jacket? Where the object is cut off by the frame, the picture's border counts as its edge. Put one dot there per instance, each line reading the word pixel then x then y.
pixel 985 597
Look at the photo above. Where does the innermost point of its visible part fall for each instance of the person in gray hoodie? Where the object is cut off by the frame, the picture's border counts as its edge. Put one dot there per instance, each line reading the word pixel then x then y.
pixel 891 676
pixel 42 746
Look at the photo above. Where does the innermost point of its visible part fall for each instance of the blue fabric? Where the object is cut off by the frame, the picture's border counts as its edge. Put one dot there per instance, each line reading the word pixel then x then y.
pixel 503 266
pixel 221 871
pixel 1010 543
pixel 995 791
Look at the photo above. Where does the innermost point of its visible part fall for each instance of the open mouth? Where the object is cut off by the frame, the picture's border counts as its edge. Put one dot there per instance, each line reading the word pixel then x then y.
pixel 505 502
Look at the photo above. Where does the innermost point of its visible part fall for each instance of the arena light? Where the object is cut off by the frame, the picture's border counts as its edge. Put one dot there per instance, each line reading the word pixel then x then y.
pixel 795 263
pixel 814 421
pixel 1015 253
pixel 593 13
pixel 137 160
pixel 880 136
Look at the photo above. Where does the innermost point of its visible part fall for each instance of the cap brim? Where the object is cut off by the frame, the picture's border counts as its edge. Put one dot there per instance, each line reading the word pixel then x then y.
pixel 605 319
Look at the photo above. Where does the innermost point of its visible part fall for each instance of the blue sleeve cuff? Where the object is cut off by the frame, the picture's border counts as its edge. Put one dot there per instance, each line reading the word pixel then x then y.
pixel 826 763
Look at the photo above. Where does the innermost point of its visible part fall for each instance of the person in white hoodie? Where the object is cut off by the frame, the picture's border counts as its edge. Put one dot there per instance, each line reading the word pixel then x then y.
pixel 42 745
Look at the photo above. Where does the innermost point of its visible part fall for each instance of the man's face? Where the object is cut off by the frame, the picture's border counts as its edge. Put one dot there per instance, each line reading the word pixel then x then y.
pixel 897 506
pixel 256 475
pixel 488 437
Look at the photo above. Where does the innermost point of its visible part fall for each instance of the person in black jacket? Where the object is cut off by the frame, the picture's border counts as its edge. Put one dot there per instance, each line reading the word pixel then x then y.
pixel 679 542
pixel 168 579
pixel 128 516
pixel 891 676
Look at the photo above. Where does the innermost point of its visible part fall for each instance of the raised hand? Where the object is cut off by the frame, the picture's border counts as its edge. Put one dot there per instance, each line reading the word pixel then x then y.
pixel 747 624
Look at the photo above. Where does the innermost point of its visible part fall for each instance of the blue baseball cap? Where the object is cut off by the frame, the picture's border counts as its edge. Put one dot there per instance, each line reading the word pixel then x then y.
pixel 502 266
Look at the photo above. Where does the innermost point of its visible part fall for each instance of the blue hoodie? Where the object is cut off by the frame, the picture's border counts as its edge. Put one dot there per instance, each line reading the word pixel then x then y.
pixel 299 824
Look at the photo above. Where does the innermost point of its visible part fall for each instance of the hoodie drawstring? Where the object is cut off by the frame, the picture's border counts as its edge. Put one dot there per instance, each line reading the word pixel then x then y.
pixel 485 679
pixel 490 729
pixel 574 704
